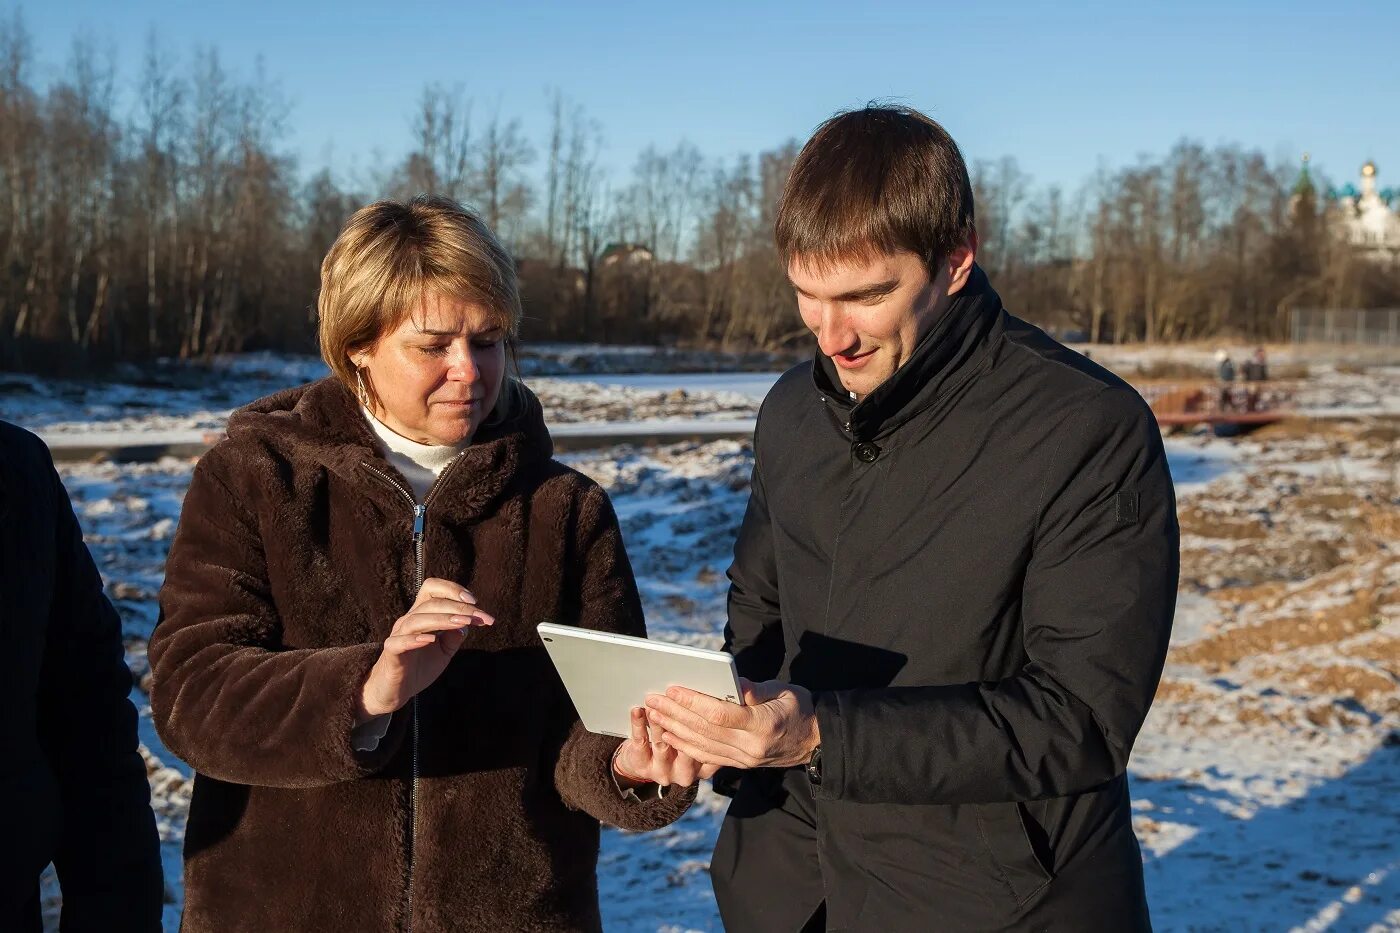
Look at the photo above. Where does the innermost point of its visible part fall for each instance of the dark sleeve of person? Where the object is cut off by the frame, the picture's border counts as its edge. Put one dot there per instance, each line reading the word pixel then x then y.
pixel 608 602
pixel 754 633
pixel 1097 604
pixel 226 696
pixel 108 860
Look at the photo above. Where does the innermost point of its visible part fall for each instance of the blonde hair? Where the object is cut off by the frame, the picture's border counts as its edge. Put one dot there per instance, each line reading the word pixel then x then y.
pixel 389 257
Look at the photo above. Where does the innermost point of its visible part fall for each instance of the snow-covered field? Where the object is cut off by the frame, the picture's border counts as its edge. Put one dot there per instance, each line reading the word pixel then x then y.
pixel 168 400
pixel 1267 779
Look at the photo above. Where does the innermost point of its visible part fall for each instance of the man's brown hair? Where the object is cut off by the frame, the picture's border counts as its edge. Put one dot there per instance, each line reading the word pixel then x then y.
pixel 875 181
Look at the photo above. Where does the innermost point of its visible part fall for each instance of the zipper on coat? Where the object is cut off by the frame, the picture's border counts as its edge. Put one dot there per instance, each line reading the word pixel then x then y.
pixel 420 511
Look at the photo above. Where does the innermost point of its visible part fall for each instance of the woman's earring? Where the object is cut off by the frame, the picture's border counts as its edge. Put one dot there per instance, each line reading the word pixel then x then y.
pixel 360 387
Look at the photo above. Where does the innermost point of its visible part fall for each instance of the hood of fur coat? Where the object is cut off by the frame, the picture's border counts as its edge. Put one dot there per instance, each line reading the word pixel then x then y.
pixel 322 422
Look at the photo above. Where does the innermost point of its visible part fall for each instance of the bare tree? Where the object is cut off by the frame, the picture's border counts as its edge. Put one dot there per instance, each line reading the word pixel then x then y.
pixel 21 139
pixel 157 124
pixel 728 218
pixel 572 184
pixel 441 159
pixel 503 190
pixel 85 131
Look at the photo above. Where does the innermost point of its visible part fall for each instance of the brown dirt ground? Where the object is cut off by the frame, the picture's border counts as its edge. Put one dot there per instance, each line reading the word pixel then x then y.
pixel 1356 616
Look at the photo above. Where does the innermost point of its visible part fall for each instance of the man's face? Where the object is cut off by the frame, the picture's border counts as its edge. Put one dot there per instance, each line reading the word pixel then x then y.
pixel 868 315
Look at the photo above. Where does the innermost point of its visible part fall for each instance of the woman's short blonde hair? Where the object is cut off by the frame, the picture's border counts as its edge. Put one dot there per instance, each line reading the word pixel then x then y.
pixel 390 256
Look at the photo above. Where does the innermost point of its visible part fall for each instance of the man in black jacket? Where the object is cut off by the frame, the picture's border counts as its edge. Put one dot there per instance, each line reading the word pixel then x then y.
pixel 73 783
pixel 952 590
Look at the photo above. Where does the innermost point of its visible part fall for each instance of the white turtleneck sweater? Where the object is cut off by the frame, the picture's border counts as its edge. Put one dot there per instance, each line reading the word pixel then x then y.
pixel 421 465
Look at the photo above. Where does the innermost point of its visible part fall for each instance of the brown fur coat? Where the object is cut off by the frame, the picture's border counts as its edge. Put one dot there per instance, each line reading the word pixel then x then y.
pixel 291 563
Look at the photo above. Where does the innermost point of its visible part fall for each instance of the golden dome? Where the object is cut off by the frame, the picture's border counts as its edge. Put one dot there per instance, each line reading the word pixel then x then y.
pixel 1369 169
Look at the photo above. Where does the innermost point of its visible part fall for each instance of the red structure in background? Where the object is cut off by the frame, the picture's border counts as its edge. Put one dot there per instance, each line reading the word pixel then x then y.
pixel 1179 404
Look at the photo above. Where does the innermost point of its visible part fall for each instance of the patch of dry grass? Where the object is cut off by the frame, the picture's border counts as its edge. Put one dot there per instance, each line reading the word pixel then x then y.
pixel 1295 429
pixel 1195 520
pixel 1165 370
pixel 1268 561
pixel 682 605
pixel 1382 651
pixel 1369 687
pixel 1324 626
pixel 1175 690
pixel 1263 595
pixel 1380 431
pixel 1383 522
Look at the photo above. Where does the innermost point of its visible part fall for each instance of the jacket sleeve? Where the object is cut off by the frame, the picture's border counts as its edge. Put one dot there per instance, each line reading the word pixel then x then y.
pixel 227 697
pixel 754 633
pixel 108 859
pixel 1097 604
pixel 608 601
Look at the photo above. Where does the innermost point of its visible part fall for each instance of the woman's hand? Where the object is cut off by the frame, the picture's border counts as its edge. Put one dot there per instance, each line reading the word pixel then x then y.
pixel 419 646
pixel 641 761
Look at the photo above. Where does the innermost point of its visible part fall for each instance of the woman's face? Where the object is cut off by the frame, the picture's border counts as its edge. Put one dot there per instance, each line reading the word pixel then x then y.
pixel 438 374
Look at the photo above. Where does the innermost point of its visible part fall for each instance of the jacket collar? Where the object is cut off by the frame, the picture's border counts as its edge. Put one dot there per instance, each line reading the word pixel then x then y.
pixel 322 422
pixel 942 359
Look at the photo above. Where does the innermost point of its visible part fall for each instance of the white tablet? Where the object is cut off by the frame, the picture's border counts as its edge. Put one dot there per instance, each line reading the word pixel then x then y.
pixel 608 675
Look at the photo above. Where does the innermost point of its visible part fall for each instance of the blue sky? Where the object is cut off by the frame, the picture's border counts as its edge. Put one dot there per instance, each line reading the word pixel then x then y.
pixel 1063 87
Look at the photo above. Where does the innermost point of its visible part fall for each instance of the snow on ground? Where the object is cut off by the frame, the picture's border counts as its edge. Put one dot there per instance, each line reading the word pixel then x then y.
pixel 1267 778
pixel 1340 391
pixel 1329 380
pixel 199 399
pixel 1286 360
pixel 554 359
pixel 753 386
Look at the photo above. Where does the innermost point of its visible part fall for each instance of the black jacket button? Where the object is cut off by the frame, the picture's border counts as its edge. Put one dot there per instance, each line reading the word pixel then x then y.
pixel 866 452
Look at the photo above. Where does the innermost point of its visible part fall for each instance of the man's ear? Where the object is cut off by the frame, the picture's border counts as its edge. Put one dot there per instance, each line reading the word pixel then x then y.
pixel 960 262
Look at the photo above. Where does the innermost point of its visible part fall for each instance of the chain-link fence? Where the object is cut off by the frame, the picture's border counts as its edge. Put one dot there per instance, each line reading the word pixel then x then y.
pixel 1359 328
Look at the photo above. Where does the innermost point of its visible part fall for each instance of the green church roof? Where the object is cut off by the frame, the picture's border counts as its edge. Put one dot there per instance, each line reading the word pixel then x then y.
pixel 1304 187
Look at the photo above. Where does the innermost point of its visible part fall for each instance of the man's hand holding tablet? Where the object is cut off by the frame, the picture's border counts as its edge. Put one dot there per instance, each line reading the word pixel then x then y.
pixel 609 678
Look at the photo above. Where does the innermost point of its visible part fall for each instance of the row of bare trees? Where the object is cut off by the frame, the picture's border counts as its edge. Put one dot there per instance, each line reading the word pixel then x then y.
pixel 175 228
pixel 1199 243
pixel 180 225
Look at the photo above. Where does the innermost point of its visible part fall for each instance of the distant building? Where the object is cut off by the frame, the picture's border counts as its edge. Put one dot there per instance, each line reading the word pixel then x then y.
pixel 1368 218
pixel 625 254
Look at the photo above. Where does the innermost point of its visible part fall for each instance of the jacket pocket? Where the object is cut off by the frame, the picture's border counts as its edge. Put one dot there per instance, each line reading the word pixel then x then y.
pixel 1006 836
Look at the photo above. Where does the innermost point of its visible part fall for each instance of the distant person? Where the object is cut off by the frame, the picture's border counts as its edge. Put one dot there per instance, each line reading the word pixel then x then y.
pixel 347 653
pixel 1256 368
pixel 952 590
pixel 1225 372
pixel 72 781
pixel 1225 366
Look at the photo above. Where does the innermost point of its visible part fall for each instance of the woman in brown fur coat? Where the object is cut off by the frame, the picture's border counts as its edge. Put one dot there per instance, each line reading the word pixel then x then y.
pixel 347 652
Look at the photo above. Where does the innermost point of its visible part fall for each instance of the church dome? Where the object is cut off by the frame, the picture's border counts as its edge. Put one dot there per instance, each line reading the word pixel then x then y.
pixel 1303 187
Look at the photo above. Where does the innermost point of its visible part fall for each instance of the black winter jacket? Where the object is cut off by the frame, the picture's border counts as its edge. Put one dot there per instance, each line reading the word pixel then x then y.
pixel 975 570
pixel 73 784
